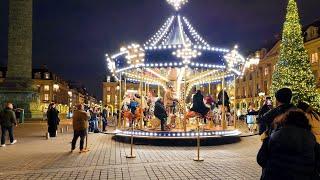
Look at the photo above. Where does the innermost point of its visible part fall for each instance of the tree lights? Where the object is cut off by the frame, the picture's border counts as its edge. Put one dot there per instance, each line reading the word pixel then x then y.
pixel 293 69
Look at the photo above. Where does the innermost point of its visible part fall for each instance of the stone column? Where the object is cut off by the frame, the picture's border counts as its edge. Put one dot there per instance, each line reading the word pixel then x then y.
pixel 17 87
pixel 20 40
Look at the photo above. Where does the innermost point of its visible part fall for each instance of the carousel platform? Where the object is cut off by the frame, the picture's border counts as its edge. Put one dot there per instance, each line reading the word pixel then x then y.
pixel 178 138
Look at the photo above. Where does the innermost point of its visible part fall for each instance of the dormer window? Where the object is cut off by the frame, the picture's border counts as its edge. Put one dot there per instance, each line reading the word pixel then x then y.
pixel 312 33
pixel 47 75
pixel 37 75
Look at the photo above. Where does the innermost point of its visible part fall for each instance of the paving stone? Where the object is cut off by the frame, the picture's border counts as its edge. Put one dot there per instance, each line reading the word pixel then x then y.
pixel 33 157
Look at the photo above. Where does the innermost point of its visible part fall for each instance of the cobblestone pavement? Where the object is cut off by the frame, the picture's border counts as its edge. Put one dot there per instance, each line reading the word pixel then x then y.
pixel 34 157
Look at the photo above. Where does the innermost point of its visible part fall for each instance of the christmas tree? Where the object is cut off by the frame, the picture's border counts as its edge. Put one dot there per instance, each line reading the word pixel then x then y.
pixel 293 69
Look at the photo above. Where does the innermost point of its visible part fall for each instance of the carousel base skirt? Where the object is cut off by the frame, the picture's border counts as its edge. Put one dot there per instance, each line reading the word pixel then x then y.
pixel 169 138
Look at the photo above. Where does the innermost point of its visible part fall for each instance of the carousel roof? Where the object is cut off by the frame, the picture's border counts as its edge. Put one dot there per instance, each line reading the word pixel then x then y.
pixel 177 44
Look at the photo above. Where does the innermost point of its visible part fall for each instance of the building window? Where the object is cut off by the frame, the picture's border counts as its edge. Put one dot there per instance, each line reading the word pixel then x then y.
pixel 108 98
pixel 108 89
pixel 46 88
pixel 47 75
pixel 266 71
pixel 314 58
pixel 46 97
pixel 37 75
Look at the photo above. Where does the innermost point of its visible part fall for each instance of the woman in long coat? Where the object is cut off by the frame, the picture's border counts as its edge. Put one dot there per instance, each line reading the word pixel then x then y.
pixel 53 120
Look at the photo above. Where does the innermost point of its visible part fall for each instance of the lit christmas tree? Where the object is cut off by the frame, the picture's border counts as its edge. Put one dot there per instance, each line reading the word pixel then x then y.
pixel 293 69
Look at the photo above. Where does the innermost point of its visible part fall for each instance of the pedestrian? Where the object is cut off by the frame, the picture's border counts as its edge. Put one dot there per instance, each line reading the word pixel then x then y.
pixel 283 101
pixel 291 152
pixel 94 120
pixel 267 106
pixel 161 113
pixel 80 125
pixel 251 118
pixel 53 119
pixel 313 117
pixel 7 121
pixel 104 116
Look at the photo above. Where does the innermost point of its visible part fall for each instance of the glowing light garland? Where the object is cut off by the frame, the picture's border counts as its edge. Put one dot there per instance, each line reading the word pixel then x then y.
pixel 177 4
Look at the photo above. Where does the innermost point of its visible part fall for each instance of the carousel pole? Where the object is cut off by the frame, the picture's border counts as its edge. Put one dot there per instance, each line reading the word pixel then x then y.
pixel 141 96
pixel 209 91
pixel 119 102
pixel 185 97
pixel 125 90
pixel 234 103
pixel 223 122
pixel 158 90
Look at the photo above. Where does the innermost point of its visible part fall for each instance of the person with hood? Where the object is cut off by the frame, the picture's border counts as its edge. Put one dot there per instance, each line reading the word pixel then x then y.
pixel 7 121
pixel 53 120
pixel 313 117
pixel 161 113
pixel 267 106
pixel 291 152
pixel 283 100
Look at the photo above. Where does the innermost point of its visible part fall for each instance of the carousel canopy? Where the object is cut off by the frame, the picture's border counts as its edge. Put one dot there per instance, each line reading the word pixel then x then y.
pixel 176 52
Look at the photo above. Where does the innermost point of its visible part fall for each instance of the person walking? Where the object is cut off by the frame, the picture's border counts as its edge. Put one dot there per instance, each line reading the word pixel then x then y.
pixel 104 116
pixel 80 125
pixel 7 121
pixel 53 120
pixel 291 152
pixel 283 100
pixel 267 106
pixel 161 113
pixel 313 117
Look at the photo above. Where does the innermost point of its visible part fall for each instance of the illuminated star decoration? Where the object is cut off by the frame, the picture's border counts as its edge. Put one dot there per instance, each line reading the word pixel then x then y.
pixel 177 4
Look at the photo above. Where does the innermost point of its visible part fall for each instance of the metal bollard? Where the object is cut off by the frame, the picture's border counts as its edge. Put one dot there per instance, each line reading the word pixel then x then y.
pixel 131 156
pixel 61 130
pixel 47 136
pixel 198 158
pixel 67 128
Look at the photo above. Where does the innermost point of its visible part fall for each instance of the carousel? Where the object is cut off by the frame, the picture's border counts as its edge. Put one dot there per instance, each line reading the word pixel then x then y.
pixel 170 71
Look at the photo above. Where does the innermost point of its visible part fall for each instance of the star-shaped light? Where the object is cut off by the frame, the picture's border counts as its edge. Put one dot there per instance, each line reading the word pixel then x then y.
pixel 187 53
pixel 177 4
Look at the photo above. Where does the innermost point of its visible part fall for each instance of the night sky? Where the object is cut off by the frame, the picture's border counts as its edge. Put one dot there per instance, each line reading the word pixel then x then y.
pixel 72 36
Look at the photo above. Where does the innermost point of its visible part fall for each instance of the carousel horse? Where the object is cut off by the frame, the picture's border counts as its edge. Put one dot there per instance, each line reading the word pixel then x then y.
pixel 127 116
pixel 139 117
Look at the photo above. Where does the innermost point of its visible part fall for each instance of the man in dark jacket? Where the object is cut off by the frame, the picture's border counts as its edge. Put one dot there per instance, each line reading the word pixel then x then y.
pixel 267 106
pixel 7 121
pixel 80 125
pixel 291 152
pixel 160 112
pixel 283 97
